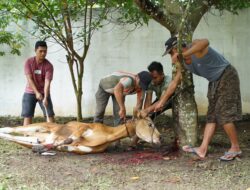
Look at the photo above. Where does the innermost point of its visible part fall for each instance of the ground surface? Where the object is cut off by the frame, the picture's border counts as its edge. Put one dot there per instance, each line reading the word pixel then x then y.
pixel 146 168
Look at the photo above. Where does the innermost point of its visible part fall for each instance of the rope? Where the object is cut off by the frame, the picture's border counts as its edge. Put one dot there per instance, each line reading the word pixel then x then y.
pixel 125 122
pixel 153 128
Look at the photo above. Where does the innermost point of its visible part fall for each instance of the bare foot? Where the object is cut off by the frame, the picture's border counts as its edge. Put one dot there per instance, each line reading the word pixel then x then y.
pixel 234 149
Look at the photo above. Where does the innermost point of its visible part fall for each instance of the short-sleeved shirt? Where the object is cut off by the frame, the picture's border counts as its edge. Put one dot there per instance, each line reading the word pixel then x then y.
pixel 109 82
pixel 39 73
pixel 160 88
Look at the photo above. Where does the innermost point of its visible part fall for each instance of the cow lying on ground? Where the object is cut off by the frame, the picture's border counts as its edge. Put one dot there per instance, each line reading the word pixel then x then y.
pixel 77 137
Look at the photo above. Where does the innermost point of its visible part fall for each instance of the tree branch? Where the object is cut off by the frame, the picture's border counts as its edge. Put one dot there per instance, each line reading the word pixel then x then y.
pixel 43 25
pixel 68 30
pixel 157 13
pixel 52 16
pixel 201 8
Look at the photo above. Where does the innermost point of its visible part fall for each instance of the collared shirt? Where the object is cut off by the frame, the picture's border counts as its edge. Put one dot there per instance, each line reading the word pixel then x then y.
pixel 39 73
pixel 160 88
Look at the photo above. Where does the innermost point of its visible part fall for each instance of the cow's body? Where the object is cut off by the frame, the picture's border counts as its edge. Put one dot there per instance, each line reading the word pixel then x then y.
pixel 84 137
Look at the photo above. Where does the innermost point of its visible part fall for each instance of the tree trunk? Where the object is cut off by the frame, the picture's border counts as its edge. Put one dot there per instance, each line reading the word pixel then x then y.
pixel 185 112
pixel 79 106
pixel 182 18
pixel 79 94
pixel 77 85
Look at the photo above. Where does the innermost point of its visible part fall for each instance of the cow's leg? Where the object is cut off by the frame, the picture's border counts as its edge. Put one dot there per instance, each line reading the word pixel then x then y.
pixel 81 149
pixel 29 141
pixel 51 139
pixel 75 149
pixel 23 130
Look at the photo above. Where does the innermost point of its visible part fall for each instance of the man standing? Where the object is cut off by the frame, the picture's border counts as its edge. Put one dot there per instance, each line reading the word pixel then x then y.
pixel 118 85
pixel 39 74
pixel 223 92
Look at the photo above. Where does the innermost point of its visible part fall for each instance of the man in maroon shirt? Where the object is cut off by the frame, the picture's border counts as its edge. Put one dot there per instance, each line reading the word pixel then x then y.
pixel 39 74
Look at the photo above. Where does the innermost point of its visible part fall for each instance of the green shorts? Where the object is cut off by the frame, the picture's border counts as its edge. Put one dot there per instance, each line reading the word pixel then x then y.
pixel 224 98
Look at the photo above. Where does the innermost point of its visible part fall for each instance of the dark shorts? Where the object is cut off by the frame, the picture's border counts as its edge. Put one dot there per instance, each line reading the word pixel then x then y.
pixel 29 103
pixel 224 98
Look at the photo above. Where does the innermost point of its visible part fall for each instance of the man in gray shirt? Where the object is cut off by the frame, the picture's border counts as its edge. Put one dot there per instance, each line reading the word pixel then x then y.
pixel 117 85
pixel 223 92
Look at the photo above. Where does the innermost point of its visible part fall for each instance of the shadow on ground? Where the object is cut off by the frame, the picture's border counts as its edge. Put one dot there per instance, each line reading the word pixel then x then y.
pixel 144 168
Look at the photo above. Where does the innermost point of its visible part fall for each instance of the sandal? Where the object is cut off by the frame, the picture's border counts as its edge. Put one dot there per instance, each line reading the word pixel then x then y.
pixel 229 156
pixel 191 149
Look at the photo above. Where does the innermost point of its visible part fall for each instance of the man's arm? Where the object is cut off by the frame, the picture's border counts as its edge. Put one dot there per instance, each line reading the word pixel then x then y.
pixel 148 107
pixel 148 99
pixel 46 91
pixel 199 48
pixel 170 90
pixel 33 86
pixel 140 98
pixel 118 92
pixel 47 82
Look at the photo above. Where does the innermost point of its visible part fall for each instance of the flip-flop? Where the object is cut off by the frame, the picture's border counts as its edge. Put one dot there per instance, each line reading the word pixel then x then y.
pixel 192 150
pixel 229 156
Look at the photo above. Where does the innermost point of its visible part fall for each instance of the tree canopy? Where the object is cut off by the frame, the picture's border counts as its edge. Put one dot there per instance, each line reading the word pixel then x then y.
pixel 47 14
pixel 10 39
pixel 169 13
pixel 69 23
pixel 51 19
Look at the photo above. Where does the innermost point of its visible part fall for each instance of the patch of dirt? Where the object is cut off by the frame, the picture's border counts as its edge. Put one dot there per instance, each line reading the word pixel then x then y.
pixel 145 168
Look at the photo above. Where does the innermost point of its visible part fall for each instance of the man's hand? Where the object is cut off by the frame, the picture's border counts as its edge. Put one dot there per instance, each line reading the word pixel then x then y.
pixel 45 102
pixel 144 113
pixel 175 57
pixel 39 96
pixel 158 106
pixel 122 113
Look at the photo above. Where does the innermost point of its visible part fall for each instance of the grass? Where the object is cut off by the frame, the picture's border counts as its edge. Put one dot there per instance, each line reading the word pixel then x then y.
pixel 21 169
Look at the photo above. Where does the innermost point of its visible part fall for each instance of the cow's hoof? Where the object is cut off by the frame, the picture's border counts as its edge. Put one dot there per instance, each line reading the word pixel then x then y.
pixel 39 149
pixel 63 148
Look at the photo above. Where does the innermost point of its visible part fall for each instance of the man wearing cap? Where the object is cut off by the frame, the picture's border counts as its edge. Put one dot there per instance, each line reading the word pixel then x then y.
pixel 39 74
pixel 118 85
pixel 224 97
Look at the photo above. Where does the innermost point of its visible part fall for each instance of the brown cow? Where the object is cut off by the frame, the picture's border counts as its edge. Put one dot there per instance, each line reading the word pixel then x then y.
pixel 80 138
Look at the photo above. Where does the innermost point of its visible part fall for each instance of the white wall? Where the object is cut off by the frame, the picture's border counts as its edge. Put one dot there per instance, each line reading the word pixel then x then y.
pixel 115 49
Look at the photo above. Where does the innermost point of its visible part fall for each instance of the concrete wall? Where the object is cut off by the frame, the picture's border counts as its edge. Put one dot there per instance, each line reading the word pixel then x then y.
pixel 114 49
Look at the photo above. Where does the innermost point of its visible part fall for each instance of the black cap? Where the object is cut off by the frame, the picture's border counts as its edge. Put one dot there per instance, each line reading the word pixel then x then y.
pixel 170 44
pixel 145 79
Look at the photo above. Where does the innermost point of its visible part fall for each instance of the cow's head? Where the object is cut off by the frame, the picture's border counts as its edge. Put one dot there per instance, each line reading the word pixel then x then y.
pixel 145 129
